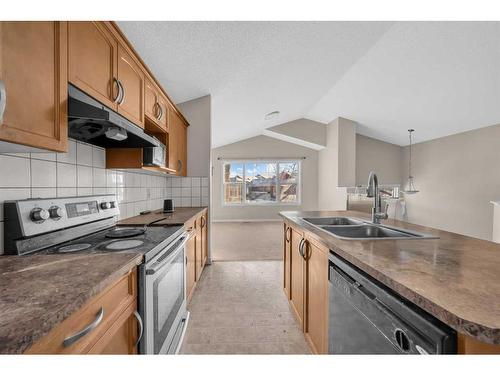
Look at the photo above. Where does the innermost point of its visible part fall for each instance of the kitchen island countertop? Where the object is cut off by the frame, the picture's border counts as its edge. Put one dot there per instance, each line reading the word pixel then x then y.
pixel 454 277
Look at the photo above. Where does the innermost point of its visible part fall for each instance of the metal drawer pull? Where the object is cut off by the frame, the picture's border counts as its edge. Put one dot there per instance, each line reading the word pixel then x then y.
pixel 122 90
pixel 141 327
pixel 77 336
pixel 300 247
pixel 3 99
pixel 118 94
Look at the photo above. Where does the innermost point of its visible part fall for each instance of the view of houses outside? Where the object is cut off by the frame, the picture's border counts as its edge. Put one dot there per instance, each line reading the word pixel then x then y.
pixel 261 182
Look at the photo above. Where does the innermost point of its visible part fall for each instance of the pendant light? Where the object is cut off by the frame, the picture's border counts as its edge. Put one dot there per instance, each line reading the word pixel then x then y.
pixel 410 187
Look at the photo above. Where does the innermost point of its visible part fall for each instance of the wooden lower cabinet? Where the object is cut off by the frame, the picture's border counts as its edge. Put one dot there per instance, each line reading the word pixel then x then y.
pixel 34 84
pixel 316 296
pixel 190 265
pixel 297 268
pixel 197 251
pixel 287 231
pixel 305 283
pixel 111 312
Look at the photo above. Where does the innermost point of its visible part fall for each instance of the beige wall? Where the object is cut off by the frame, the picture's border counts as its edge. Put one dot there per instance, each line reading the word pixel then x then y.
pixel 264 147
pixel 381 157
pixel 197 112
pixel 304 129
pixel 457 177
pixel 336 164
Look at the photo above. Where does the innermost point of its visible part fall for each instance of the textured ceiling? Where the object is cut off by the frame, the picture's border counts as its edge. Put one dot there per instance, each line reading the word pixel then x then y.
pixel 437 77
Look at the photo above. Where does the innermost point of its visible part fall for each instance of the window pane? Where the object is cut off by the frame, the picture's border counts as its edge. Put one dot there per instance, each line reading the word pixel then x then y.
pixel 260 182
pixel 289 179
pixel 233 182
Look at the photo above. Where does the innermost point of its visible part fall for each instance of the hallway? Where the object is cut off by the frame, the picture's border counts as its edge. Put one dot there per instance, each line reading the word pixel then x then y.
pixel 240 308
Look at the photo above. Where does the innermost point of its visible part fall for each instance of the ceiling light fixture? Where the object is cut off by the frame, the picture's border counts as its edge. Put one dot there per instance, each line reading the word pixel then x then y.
pixel 272 115
pixel 410 187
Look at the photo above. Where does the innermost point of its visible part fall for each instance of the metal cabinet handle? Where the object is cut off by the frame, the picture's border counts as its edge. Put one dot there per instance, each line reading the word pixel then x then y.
pixel 77 336
pixel 3 99
pixel 288 234
pixel 179 164
pixel 301 243
pixel 304 255
pixel 141 327
pixel 156 110
pixel 160 114
pixel 122 91
pixel 118 94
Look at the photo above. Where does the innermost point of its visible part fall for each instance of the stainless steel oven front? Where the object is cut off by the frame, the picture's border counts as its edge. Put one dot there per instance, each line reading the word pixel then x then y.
pixel 162 299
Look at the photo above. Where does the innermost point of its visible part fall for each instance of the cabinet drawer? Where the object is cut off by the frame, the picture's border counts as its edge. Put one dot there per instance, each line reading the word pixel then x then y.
pixel 101 312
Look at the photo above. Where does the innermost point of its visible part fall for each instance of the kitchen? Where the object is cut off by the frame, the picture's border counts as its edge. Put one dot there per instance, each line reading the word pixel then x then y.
pixel 151 205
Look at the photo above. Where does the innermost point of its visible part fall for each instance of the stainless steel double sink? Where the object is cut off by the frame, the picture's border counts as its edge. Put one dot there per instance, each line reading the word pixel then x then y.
pixel 348 228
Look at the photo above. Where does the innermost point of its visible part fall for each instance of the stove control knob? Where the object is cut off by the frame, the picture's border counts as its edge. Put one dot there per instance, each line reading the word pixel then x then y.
pixel 105 205
pixel 39 215
pixel 55 212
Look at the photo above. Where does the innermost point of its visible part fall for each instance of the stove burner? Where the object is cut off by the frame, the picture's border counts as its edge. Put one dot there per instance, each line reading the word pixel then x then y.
pixel 123 244
pixel 73 247
pixel 124 233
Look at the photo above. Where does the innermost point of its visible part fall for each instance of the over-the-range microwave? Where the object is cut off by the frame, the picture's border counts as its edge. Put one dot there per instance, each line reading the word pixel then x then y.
pixel 154 156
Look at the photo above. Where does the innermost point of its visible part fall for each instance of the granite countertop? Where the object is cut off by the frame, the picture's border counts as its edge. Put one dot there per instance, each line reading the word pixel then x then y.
pixel 38 292
pixel 455 278
pixel 179 217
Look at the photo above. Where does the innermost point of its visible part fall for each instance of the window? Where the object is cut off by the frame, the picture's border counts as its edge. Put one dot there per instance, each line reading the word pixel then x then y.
pixel 261 182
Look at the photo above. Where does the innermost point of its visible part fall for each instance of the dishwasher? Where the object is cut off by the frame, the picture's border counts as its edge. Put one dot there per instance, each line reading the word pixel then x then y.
pixel 366 317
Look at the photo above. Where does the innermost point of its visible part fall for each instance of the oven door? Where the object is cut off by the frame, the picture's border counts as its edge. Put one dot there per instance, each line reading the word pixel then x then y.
pixel 164 299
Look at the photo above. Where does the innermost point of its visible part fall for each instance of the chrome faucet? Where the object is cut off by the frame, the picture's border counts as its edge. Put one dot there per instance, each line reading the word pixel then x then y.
pixel 373 192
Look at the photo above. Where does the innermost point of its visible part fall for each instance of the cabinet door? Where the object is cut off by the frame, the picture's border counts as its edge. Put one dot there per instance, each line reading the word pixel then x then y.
pixel 92 59
pixel 204 238
pixel 164 109
pixel 199 248
pixel 190 266
pixel 173 141
pixel 121 337
pixel 34 76
pixel 182 155
pixel 287 231
pixel 131 78
pixel 297 277
pixel 151 101
pixel 316 296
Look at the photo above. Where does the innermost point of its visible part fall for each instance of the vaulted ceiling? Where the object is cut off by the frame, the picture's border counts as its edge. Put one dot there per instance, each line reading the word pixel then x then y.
pixel 439 78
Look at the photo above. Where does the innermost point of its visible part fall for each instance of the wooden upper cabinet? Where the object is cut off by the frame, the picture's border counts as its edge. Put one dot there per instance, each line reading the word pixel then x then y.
pixel 177 143
pixel 156 107
pixel 33 84
pixel 93 56
pixel 131 78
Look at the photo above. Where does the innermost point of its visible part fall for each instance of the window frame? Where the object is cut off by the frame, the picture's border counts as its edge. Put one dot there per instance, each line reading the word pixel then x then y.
pixel 244 202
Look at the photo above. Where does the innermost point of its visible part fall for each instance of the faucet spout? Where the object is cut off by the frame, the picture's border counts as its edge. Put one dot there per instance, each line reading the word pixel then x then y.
pixel 373 192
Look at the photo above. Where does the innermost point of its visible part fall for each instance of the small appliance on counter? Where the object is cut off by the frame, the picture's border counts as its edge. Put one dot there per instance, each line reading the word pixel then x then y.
pixel 79 225
pixel 168 206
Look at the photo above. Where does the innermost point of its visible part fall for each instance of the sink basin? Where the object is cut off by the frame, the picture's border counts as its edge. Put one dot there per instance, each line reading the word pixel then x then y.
pixel 333 221
pixel 370 232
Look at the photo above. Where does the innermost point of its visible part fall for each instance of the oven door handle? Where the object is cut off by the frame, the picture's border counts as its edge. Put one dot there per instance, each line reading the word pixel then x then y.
pixel 159 266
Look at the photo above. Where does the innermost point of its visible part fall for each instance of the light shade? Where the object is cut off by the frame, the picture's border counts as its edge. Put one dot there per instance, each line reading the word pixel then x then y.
pixel 410 187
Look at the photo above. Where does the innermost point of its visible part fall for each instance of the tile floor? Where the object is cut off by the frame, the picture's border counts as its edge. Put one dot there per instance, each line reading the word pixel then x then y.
pixel 240 308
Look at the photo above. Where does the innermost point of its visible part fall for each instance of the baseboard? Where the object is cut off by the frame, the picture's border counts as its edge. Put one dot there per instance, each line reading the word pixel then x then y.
pixel 244 220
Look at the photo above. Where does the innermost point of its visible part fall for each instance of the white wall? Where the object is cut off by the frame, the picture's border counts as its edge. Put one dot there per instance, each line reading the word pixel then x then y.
pixel 381 157
pixel 264 147
pixel 198 114
pixel 457 177
pixel 336 165
pixel 304 129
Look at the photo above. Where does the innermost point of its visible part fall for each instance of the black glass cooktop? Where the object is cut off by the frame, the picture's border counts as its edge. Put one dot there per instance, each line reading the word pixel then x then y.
pixel 100 241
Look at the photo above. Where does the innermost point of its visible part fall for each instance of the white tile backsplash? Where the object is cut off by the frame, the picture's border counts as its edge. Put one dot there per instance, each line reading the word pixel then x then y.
pixel 81 171
pixel 43 173
pixel 66 175
pixel 14 171
pixel 83 154
pixel 84 176
pixel 70 156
